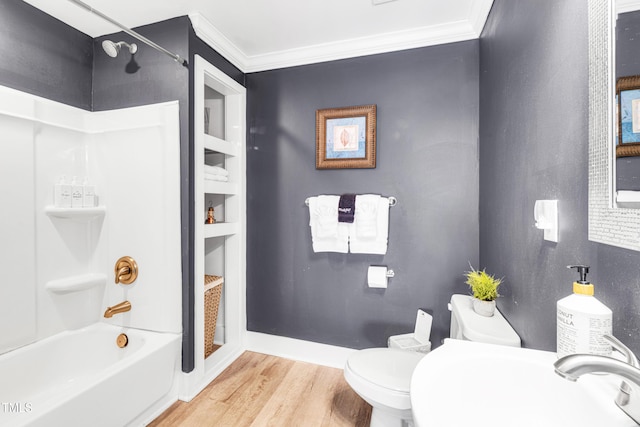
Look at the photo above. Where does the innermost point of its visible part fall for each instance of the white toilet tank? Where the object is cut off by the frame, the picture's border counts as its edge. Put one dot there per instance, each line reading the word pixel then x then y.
pixel 467 325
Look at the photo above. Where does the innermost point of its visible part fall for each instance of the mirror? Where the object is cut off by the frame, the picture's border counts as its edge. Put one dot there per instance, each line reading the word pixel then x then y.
pixel 607 224
pixel 627 126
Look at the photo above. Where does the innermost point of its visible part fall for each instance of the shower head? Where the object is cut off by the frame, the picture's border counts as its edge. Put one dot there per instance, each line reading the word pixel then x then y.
pixel 112 49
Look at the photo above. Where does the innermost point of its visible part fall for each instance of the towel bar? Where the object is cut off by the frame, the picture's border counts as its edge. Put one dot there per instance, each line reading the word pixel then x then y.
pixel 392 201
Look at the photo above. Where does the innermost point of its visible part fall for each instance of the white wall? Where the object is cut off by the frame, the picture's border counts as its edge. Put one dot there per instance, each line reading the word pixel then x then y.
pixel 17 234
pixel 142 194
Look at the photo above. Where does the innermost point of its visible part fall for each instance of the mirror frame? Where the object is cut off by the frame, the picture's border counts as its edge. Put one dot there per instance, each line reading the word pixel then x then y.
pixel 607 224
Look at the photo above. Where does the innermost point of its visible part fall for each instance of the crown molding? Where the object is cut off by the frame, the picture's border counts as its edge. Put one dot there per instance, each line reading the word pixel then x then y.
pixel 218 41
pixel 479 14
pixel 382 43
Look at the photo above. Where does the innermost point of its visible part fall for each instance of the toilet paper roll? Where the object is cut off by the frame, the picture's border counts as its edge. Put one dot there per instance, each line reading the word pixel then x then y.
pixel 377 276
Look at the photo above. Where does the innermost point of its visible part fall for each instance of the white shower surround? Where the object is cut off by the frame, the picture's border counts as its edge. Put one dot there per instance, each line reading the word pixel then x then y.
pixel 132 156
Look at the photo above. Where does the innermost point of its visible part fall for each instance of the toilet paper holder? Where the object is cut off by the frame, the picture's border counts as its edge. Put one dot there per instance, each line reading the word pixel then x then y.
pixel 378 276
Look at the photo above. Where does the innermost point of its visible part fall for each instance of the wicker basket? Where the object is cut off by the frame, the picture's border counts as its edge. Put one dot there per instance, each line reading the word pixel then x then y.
pixel 212 293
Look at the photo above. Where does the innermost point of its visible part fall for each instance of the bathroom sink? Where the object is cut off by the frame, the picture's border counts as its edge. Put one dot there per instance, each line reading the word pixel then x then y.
pixel 464 383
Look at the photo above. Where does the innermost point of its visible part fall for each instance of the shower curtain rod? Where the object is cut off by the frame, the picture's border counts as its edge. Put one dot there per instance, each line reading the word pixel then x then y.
pixel 132 33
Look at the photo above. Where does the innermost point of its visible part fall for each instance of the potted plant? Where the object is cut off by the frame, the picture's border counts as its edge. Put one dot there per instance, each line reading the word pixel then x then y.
pixel 485 291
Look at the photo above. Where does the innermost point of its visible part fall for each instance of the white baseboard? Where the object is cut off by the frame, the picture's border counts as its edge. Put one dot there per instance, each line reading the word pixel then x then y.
pixel 305 351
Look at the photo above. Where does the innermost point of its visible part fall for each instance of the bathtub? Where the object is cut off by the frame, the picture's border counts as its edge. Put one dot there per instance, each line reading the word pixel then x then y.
pixel 82 378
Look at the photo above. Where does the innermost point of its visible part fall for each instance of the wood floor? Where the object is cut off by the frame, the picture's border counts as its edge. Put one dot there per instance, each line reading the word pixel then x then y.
pixel 262 390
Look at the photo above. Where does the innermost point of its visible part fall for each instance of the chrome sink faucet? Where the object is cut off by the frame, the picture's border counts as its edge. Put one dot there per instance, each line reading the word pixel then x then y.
pixel 625 389
pixel 574 366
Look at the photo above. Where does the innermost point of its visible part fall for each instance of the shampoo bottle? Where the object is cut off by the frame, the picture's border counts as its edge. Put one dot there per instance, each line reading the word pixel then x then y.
pixel 77 195
pixel 582 320
pixel 62 193
pixel 89 194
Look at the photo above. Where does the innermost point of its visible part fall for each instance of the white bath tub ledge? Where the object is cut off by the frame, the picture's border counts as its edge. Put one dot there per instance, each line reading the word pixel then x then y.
pixel 82 378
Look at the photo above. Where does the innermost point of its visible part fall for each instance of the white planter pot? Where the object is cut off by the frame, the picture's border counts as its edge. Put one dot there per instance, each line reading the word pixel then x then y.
pixel 484 308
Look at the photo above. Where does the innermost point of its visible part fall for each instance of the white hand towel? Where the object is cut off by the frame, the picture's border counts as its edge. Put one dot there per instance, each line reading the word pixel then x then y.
pixel 216 177
pixel 326 233
pixel 372 244
pixel 366 215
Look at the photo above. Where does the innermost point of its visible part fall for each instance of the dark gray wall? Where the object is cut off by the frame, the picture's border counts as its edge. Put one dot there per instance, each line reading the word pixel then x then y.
pixel 427 127
pixel 628 64
pixel 627 44
pixel 534 145
pixel 43 56
pixel 148 76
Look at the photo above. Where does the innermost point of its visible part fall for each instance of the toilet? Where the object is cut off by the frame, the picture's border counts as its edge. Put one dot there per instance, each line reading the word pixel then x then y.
pixel 382 376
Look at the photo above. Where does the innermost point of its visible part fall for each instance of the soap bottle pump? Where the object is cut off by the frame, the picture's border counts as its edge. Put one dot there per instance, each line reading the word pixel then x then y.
pixel 582 320
pixel 586 288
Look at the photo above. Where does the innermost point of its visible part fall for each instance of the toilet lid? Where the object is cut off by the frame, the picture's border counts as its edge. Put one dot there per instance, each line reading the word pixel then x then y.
pixel 387 367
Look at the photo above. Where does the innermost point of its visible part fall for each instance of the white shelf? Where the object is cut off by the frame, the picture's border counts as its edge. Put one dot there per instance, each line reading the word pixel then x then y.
pixel 76 213
pixel 75 283
pixel 220 229
pixel 220 145
pixel 220 187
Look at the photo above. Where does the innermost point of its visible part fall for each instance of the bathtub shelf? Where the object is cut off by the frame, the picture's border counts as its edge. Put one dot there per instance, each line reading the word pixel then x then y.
pixel 86 214
pixel 75 283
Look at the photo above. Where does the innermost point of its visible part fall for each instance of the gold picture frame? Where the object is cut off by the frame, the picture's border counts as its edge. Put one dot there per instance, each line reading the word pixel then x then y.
pixel 346 137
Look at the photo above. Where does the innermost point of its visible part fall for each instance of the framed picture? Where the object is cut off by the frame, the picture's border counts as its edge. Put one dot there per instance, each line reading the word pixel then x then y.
pixel 628 112
pixel 346 137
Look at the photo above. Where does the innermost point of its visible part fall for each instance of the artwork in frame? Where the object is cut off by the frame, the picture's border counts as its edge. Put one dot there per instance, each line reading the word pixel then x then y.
pixel 346 137
pixel 628 112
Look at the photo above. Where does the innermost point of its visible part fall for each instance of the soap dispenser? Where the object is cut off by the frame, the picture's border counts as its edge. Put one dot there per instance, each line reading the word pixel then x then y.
pixel 582 320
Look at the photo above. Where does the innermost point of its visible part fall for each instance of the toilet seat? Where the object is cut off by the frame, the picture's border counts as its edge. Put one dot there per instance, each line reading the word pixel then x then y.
pixel 382 376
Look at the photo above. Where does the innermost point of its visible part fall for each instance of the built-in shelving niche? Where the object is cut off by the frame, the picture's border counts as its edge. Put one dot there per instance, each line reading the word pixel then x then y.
pixel 219 248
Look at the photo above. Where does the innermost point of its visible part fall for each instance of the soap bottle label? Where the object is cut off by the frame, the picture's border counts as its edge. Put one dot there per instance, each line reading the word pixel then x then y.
pixel 567 338
pixel 580 333
pixel 76 194
pixel 62 194
pixel 599 326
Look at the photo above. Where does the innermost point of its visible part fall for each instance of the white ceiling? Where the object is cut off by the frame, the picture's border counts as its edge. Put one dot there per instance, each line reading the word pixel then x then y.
pixel 257 35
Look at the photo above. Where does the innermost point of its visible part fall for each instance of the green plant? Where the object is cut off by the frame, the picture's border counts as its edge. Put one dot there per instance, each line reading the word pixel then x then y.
pixel 483 285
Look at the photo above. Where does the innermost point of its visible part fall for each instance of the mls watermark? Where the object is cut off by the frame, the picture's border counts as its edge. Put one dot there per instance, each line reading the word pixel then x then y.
pixel 16 407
